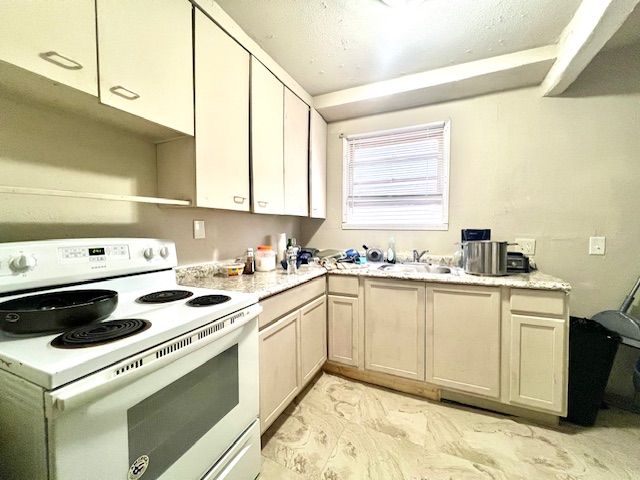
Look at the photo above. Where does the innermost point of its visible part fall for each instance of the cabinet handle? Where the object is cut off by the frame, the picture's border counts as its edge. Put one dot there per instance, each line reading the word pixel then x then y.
pixel 124 92
pixel 262 203
pixel 54 57
pixel 239 199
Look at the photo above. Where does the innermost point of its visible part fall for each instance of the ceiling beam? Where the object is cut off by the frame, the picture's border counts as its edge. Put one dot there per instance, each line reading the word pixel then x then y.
pixel 514 70
pixel 593 24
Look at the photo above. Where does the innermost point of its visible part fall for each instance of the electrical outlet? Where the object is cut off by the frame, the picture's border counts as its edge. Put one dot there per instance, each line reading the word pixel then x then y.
pixel 198 230
pixel 527 245
pixel 597 245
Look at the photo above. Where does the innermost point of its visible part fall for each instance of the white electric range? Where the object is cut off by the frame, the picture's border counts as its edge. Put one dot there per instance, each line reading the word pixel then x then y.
pixel 174 393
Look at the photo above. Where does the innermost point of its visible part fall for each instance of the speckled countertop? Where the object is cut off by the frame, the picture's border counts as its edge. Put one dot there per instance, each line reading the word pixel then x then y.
pixel 265 284
pixel 534 280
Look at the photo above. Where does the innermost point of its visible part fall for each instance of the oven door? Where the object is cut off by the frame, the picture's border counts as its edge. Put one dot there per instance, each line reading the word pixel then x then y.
pixel 168 413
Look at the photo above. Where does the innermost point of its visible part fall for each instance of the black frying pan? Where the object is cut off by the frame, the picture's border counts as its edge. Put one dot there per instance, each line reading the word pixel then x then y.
pixel 56 311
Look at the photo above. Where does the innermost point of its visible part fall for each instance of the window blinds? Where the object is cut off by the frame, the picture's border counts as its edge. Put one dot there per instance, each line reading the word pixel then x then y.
pixel 397 179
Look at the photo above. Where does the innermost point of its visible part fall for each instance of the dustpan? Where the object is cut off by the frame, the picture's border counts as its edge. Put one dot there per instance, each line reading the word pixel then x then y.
pixel 621 322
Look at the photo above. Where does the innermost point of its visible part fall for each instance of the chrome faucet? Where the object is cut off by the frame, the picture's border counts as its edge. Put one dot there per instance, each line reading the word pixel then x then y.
pixel 417 256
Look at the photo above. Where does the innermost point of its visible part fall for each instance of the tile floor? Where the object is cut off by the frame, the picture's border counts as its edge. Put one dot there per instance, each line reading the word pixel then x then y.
pixel 340 429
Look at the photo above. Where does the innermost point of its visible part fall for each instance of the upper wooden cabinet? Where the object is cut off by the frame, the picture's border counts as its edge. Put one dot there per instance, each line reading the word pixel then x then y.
pixel 213 168
pixel 463 338
pixel 54 39
pixel 394 327
pixel 296 155
pixel 267 140
pixel 146 59
pixel 317 166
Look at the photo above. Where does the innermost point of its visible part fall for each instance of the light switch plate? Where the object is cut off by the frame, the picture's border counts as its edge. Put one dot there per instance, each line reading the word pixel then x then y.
pixel 198 230
pixel 527 245
pixel 597 245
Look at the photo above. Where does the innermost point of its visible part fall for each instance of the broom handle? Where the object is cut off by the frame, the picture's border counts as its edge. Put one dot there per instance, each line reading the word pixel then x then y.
pixel 629 298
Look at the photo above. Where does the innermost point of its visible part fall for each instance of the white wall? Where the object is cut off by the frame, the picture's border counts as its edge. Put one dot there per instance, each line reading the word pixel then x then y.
pixel 44 147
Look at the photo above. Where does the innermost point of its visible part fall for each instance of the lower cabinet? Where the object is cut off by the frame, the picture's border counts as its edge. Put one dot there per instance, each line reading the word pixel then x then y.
pixel 279 379
pixel 463 338
pixel 292 351
pixel 313 338
pixel 394 323
pixel 538 362
pixel 343 318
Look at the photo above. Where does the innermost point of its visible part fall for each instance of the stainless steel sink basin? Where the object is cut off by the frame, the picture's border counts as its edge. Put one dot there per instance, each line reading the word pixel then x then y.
pixel 415 268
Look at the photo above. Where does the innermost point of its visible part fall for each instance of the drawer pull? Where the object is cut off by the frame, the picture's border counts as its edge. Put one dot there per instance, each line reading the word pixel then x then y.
pixel 239 199
pixel 66 62
pixel 124 92
pixel 262 203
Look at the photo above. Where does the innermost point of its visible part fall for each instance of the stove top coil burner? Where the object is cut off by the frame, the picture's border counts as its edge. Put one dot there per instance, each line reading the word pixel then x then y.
pixel 208 300
pixel 100 333
pixel 165 296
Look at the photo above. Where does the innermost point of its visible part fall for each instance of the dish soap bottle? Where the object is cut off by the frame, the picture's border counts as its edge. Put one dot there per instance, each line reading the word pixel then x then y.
pixel 391 251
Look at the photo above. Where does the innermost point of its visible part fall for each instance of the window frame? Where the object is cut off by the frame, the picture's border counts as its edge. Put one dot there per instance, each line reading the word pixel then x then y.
pixel 446 124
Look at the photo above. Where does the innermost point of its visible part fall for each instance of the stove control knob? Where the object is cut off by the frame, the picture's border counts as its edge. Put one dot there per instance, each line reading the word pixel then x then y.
pixel 22 263
pixel 148 253
pixel 164 252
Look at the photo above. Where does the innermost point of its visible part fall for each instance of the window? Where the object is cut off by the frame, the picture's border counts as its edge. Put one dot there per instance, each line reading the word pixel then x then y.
pixel 397 179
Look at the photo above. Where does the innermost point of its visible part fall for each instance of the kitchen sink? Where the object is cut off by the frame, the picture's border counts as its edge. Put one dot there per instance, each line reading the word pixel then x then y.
pixel 415 268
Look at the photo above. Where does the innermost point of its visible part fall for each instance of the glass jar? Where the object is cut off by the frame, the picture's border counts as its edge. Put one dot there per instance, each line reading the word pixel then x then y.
pixel 265 259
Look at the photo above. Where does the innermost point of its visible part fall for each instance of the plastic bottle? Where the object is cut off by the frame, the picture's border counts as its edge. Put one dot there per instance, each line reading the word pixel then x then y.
pixel 391 251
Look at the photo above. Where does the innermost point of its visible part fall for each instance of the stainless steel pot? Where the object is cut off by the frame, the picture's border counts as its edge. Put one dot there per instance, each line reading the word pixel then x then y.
pixel 485 257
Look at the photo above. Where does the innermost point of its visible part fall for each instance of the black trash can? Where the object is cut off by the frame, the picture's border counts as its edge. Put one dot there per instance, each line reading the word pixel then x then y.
pixel 592 349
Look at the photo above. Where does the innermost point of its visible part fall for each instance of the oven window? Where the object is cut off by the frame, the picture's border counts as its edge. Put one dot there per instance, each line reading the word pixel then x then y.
pixel 165 425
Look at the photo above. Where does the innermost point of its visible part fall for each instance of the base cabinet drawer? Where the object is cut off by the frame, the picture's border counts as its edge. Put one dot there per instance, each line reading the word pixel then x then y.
pixel 538 363
pixel 279 379
pixel 343 317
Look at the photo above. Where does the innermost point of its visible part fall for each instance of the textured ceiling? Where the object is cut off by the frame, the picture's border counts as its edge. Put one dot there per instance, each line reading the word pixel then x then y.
pixel 328 45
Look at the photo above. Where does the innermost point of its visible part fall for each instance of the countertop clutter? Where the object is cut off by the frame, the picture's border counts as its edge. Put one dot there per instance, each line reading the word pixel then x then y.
pixel 265 284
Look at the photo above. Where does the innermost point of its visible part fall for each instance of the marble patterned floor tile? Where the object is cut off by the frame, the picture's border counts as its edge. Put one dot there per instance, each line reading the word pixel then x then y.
pixel 302 439
pixel 394 414
pixel 271 470
pixel 333 394
pixel 364 453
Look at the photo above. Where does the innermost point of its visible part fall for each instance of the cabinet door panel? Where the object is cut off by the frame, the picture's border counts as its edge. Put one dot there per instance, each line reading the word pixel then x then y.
pixel 463 339
pixel 54 39
pixel 267 142
pixel 343 329
pixel 296 155
pixel 395 328
pixel 279 379
pixel 313 338
pixel 146 59
pixel 222 118
pixel 317 166
pixel 538 363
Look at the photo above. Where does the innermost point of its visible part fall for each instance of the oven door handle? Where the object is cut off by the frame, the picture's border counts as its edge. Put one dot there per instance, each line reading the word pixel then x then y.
pixel 107 381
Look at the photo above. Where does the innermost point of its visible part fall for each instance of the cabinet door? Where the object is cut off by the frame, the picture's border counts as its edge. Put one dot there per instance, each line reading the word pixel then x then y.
pixel 318 166
pixel 267 144
pixel 343 329
pixel 54 39
pixel 463 339
pixel 313 338
pixel 222 118
pixel 394 323
pixel 296 155
pixel 279 379
pixel 146 59
pixel 538 363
